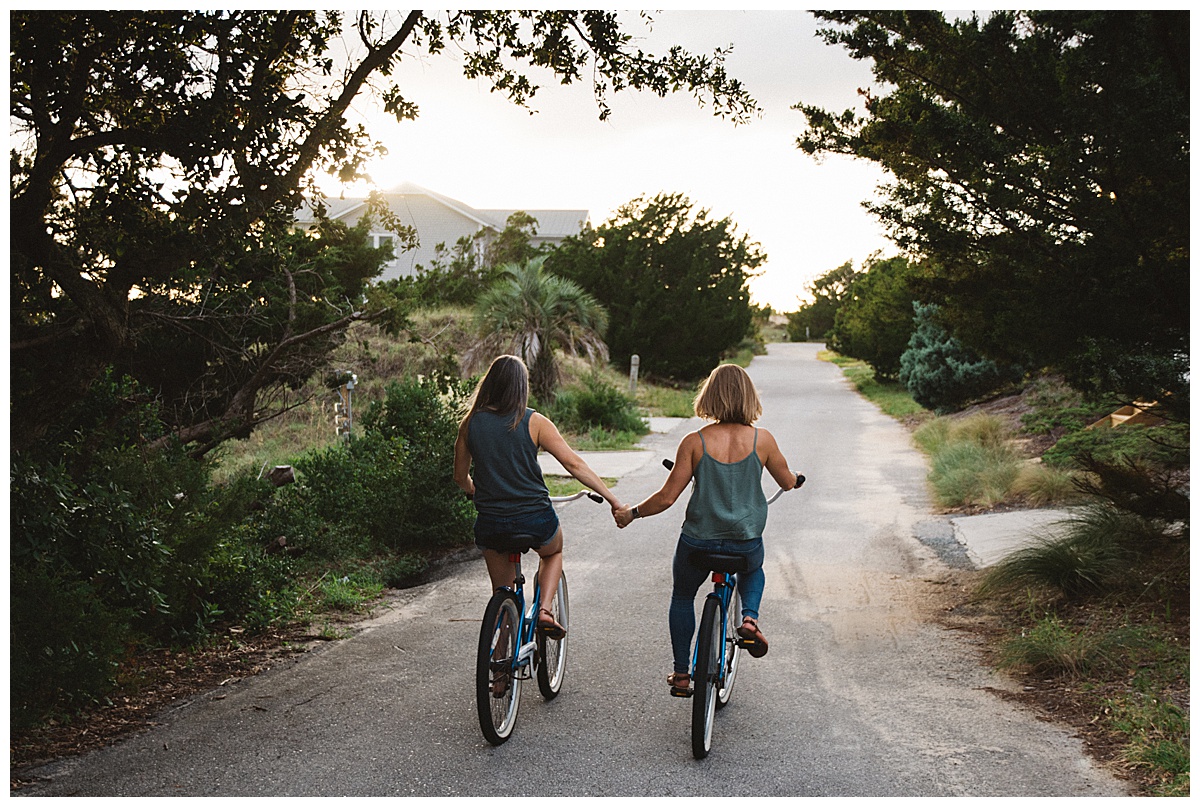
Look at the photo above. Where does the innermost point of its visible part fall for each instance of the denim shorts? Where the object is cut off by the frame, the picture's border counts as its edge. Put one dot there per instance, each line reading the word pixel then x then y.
pixel 497 532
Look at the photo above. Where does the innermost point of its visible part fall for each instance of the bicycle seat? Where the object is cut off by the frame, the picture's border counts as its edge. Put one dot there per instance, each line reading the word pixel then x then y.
pixel 717 561
pixel 517 542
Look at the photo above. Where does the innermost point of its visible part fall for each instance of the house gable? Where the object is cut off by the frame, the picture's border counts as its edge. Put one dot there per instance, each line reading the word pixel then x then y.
pixel 439 219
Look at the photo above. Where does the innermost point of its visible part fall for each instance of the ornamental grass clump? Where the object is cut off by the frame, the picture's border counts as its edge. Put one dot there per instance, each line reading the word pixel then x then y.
pixel 972 461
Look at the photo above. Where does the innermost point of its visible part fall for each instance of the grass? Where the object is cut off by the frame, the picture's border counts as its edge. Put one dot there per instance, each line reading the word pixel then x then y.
pixel 975 463
pixel 1125 662
pixel 565 485
pixel 667 402
pixel 890 396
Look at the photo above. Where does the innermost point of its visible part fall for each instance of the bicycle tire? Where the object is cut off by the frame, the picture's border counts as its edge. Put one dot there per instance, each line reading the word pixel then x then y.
pixel 706 677
pixel 552 653
pixel 499 640
pixel 732 650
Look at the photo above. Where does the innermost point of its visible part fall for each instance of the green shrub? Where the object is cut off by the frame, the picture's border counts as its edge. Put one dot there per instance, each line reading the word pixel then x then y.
pixel 1165 445
pixel 424 414
pixel 390 489
pixel 596 404
pixel 401 571
pixel 940 372
pixel 64 644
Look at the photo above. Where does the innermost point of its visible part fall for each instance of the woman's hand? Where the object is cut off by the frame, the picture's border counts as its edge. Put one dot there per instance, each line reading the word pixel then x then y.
pixel 623 516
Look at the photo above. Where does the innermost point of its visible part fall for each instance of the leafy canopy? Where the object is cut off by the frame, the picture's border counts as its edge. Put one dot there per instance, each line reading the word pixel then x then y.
pixel 673 279
pixel 1041 160
pixel 157 161
pixel 875 318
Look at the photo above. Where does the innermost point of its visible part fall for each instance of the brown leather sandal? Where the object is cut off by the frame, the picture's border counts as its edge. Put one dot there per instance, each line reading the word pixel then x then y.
pixel 548 626
pixel 681 684
pixel 752 638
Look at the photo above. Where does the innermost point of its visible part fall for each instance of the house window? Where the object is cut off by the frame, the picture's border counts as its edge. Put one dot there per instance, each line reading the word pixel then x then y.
pixel 386 241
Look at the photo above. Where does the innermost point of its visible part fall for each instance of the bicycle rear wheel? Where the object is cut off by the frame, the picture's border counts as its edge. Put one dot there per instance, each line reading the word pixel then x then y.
pixel 552 653
pixel 732 650
pixel 705 680
pixel 497 684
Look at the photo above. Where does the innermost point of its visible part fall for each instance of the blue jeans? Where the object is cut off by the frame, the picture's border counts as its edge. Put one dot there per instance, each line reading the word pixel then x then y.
pixel 689 578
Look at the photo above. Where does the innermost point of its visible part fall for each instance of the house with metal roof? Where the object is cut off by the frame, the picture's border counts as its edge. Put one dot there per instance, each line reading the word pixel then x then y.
pixel 439 219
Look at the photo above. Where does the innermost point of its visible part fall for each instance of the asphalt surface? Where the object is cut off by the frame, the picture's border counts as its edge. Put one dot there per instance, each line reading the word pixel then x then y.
pixel 860 695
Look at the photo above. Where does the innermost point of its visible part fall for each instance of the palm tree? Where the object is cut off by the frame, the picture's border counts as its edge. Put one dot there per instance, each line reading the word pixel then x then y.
pixel 531 312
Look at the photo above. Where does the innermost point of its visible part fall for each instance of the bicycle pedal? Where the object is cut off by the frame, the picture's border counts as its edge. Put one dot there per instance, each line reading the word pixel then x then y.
pixel 680 693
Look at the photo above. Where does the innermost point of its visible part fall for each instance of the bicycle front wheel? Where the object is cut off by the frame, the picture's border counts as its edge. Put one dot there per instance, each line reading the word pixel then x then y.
pixel 497 684
pixel 552 653
pixel 706 679
pixel 732 650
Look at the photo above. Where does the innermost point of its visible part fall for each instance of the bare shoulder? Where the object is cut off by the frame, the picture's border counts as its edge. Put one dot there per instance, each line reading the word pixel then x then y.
pixel 542 429
pixel 766 438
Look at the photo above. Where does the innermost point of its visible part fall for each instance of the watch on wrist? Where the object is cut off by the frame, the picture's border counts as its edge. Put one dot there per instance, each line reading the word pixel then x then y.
pixel 635 512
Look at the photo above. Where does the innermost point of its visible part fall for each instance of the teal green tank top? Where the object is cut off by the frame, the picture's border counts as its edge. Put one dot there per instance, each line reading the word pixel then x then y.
pixel 508 479
pixel 727 500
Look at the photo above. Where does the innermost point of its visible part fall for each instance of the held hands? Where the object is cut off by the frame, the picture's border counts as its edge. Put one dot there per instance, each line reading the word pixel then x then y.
pixel 623 516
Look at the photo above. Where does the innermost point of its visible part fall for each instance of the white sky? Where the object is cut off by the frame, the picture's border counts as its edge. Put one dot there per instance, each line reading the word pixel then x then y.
pixel 477 147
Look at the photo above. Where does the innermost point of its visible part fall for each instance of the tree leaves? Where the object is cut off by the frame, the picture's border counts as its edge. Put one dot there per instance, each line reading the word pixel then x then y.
pixel 1040 160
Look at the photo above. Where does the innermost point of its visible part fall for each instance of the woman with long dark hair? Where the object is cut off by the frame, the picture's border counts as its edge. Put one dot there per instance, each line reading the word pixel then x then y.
pixel 498 440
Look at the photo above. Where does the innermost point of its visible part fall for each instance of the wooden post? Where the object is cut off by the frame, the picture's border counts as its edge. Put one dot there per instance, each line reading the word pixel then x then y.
pixel 634 363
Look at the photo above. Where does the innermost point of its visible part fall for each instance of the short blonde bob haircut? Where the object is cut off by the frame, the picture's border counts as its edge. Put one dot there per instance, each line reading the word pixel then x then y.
pixel 728 396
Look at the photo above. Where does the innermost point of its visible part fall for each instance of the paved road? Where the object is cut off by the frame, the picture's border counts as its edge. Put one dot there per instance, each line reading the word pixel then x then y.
pixel 859 696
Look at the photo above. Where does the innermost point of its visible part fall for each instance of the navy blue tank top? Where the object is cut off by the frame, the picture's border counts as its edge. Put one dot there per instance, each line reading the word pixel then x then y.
pixel 508 479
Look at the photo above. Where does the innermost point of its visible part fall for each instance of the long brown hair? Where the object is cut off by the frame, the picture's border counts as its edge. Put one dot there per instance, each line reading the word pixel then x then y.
pixel 504 389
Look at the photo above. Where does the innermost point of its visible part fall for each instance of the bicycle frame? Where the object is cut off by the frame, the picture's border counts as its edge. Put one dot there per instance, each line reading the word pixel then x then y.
pixel 527 630
pixel 513 650
pixel 724 584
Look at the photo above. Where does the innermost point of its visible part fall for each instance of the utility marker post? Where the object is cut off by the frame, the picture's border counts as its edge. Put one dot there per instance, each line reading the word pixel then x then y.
pixel 634 363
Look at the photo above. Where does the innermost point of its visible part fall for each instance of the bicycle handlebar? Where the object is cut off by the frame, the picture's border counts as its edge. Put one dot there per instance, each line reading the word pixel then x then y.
pixel 800 479
pixel 596 497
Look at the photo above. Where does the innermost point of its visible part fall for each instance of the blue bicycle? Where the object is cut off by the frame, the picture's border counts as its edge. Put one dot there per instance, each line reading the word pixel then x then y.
pixel 718 645
pixel 512 649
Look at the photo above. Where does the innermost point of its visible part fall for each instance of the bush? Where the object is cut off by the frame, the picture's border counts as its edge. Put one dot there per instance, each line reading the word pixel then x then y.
pixel 64 643
pixel 941 373
pixel 1165 446
pixel 596 404
pixel 112 544
pixel 423 414
pixel 390 489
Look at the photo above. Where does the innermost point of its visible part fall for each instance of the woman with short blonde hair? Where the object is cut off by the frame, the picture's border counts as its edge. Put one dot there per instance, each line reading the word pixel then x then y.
pixel 728 395
pixel 727 511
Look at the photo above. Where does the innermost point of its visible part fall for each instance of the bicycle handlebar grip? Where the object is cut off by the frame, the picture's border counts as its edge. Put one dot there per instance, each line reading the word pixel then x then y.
pixel 668 464
pixel 800 479
pixel 596 497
